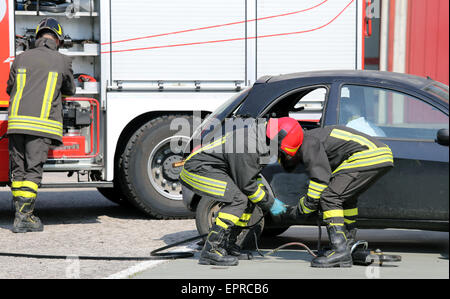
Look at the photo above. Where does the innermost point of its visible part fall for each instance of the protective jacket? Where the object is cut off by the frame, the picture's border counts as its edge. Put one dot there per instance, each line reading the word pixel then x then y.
pixel 333 150
pixel 38 79
pixel 230 165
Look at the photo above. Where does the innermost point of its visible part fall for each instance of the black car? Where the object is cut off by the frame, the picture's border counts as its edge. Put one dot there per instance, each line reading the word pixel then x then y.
pixel 408 113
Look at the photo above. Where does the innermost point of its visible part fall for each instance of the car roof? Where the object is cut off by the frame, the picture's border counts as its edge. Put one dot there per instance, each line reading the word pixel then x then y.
pixel 267 88
pixel 404 79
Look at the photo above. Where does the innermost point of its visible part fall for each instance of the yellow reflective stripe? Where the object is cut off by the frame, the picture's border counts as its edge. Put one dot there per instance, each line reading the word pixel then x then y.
pixel 348 221
pixel 260 195
pixel 227 216
pixel 211 145
pixel 221 223
pixel 16 184
pixel 340 134
pixel 365 162
pixel 243 221
pixel 316 185
pixel 21 80
pixel 351 212
pixel 34 128
pixel 205 180
pixel 369 153
pixel 48 95
pixel 333 213
pixel 304 208
pixel 257 192
pixel 337 224
pixel 47 122
pixel 313 194
pixel 206 189
pixel 26 194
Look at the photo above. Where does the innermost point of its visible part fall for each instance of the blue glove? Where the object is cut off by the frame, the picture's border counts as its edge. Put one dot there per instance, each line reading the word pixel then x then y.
pixel 277 208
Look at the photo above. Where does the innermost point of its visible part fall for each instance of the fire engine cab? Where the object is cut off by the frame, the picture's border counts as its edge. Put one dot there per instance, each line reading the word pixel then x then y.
pixel 140 65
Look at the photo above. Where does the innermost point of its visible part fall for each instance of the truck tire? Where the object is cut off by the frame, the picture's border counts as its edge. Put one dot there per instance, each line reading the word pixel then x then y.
pixel 114 195
pixel 147 176
pixel 206 213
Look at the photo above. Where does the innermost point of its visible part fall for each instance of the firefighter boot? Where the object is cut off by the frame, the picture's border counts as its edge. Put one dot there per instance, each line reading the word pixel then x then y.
pixel 351 234
pixel 230 241
pixel 339 255
pixel 24 220
pixel 213 252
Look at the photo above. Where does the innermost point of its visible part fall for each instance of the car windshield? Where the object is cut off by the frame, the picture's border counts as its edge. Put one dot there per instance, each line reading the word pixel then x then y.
pixel 222 112
pixel 439 90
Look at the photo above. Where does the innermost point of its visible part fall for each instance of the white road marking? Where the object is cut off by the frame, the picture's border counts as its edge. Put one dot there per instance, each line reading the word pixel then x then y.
pixel 127 273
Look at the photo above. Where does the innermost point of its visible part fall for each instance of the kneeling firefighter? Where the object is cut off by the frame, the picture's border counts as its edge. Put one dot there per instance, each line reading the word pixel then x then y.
pixel 38 79
pixel 229 173
pixel 342 163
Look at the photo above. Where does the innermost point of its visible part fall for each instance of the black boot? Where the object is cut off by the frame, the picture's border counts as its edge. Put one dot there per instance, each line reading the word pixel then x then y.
pixel 230 241
pixel 351 234
pixel 339 255
pixel 213 252
pixel 24 220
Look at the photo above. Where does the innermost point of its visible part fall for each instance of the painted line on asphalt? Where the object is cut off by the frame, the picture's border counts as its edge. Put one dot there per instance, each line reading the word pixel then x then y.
pixel 140 267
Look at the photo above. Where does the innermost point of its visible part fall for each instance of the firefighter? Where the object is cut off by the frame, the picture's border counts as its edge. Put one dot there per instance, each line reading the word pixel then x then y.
pixel 229 173
pixel 38 79
pixel 342 163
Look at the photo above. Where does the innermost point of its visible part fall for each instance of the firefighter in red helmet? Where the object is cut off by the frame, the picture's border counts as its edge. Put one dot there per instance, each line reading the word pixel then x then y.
pixel 341 163
pixel 228 169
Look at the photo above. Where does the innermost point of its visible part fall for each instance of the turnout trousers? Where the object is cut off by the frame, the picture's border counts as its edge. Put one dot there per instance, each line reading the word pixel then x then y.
pixel 339 200
pixel 236 210
pixel 27 155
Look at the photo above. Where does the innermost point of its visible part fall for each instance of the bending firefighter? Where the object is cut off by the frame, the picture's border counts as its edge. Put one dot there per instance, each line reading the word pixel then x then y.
pixel 38 79
pixel 342 163
pixel 228 170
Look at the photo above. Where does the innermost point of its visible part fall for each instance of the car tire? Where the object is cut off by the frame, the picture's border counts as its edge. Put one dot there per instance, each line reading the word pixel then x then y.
pixel 147 152
pixel 206 213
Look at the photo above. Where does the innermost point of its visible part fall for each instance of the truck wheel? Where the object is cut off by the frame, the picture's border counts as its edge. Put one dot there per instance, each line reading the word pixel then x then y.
pixel 148 178
pixel 114 195
pixel 205 217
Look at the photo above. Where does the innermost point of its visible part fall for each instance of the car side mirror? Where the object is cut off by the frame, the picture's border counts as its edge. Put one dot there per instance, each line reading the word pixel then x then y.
pixel 442 137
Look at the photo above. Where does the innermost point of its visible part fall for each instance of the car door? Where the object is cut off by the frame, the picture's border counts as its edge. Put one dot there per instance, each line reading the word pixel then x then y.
pixel 417 187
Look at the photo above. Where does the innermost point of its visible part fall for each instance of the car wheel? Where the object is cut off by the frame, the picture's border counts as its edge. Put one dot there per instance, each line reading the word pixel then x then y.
pixel 206 214
pixel 148 178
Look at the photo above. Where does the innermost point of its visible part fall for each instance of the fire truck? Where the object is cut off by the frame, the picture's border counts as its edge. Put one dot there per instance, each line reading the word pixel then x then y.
pixel 140 65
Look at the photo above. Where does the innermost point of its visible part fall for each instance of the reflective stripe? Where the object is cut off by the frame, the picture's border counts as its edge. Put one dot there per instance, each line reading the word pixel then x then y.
pixel 365 162
pixel 258 195
pixel 337 224
pixel 221 223
pixel 315 189
pixel 351 212
pixel 243 221
pixel 229 217
pixel 29 184
pixel 340 134
pixel 304 208
pixel 16 184
pixel 48 95
pixel 369 153
pixel 348 221
pixel 201 187
pixel 333 213
pixel 35 124
pixel 211 145
pixel 205 180
pixel 25 194
pixel 21 80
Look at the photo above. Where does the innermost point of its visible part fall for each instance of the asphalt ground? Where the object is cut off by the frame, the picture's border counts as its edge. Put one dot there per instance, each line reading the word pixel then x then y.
pixel 82 222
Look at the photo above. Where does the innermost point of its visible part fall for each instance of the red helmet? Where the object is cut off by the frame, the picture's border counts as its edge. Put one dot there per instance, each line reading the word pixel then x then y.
pixel 289 132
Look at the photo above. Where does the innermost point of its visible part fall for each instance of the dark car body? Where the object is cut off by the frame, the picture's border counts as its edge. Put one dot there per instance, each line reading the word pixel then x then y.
pixel 405 112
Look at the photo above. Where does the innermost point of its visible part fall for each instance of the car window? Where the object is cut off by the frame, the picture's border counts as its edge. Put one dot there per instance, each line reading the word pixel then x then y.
pixel 305 105
pixel 387 113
